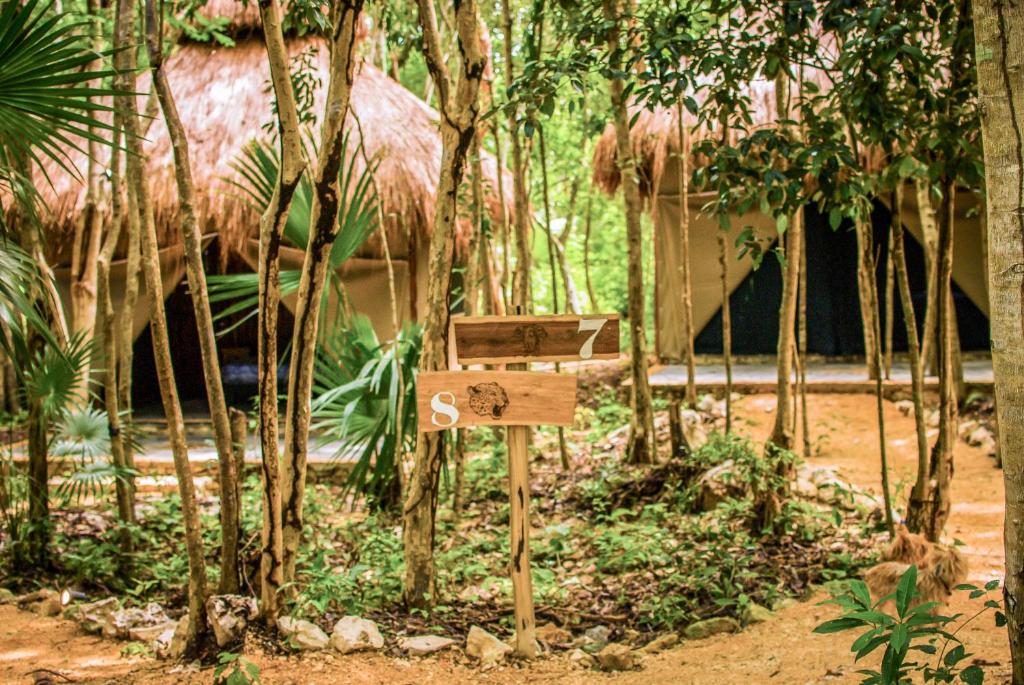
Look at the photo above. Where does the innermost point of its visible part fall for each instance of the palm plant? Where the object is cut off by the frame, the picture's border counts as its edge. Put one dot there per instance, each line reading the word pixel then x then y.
pixel 365 399
pixel 257 168
pixel 82 432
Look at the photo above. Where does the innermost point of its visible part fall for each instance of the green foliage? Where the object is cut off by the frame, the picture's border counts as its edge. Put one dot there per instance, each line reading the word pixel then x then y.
pixel 235 669
pixel 915 627
pixel 365 398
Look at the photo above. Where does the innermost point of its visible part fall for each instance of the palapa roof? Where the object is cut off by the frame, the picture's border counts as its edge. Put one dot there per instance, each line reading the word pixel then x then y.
pixel 224 99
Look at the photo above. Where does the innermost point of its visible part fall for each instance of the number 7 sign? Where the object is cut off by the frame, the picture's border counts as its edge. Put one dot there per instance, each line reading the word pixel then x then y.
pixel 518 339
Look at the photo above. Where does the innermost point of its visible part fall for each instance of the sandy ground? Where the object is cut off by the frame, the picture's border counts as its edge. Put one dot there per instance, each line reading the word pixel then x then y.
pixel 782 650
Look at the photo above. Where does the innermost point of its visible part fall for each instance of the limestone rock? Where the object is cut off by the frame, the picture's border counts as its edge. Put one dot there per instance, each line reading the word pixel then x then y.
pixel 421 645
pixel 582 659
pixel 485 647
pixel 711 626
pixel 353 634
pixel 906 407
pixel 92 615
pixel 302 635
pixel 149 634
pixel 229 617
pixel 173 647
pixel 120 623
pixel 551 634
pixel 755 613
pixel 616 657
pixel 661 643
pixel 43 602
pixel 693 429
pixel 979 436
pixel 594 639
pixel 718 484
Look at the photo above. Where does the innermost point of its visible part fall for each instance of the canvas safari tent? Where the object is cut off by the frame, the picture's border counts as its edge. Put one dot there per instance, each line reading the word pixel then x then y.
pixel 834 327
pixel 224 99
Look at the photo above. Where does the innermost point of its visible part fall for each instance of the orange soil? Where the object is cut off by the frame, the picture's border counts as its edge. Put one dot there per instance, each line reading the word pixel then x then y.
pixel 782 650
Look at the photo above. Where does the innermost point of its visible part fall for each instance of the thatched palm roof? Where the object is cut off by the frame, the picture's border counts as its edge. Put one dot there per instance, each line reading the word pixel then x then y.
pixel 224 100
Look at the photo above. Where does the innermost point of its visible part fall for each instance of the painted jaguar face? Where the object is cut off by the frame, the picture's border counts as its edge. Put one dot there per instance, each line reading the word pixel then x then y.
pixel 530 337
pixel 488 399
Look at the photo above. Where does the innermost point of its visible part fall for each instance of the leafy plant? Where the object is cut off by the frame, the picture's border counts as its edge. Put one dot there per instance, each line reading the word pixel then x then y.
pixel 915 627
pixel 235 669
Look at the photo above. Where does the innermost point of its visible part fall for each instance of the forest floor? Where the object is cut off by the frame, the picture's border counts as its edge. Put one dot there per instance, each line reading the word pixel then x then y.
pixel 781 650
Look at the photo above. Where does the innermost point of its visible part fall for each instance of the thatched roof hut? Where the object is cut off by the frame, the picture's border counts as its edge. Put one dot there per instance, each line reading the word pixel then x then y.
pixel 224 98
pixel 655 145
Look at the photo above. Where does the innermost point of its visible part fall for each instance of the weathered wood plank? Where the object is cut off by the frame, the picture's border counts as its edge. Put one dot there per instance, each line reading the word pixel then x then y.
pixel 461 399
pixel 555 338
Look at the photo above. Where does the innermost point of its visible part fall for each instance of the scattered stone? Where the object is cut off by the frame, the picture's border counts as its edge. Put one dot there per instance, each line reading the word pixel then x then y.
pixel 229 617
pixel 120 623
pixel 616 657
pixel 149 634
pixel 42 602
pixel 706 404
pixel 661 643
pixel 582 659
pixel 175 646
pixel 302 635
pixel 905 407
pixel 421 645
pixel 755 613
pixel 718 484
pixel 92 615
pixel 6 596
pixel 483 646
pixel 353 634
pixel 693 429
pixel 933 419
pixel 979 436
pixel 594 639
pixel 551 634
pixel 711 626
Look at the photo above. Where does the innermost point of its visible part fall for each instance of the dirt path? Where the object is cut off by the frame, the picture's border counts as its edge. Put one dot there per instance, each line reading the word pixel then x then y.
pixel 782 650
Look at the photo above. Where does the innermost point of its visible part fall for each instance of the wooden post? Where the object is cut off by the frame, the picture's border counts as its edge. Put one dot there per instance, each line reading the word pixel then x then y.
pixel 519 520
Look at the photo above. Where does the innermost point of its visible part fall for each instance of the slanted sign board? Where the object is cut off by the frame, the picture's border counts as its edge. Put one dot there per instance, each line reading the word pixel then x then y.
pixel 512 339
pixel 462 399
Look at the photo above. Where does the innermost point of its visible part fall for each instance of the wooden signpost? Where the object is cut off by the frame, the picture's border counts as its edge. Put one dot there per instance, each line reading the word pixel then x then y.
pixel 515 398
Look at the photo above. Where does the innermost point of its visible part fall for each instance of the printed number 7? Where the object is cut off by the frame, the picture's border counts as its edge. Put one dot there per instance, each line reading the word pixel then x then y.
pixel 587 351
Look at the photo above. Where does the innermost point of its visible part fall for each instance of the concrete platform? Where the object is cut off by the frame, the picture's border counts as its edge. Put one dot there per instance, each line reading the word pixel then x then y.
pixel 822 377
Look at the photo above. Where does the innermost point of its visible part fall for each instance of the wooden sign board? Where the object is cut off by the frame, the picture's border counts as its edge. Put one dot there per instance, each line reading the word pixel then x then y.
pixel 461 399
pixel 555 338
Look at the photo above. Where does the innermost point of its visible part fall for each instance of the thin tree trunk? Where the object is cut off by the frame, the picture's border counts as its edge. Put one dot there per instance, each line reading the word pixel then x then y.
pixel 802 350
pixel 271 230
pixel 88 233
pixel 38 478
pixel 642 447
pixel 520 188
pixel 323 230
pixel 503 281
pixel 865 286
pixel 459 109
pixel 683 140
pixel 587 221
pixel 165 372
pixel 999 37
pixel 782 434
pixel 723 261
pixel 929 231
pixel 193 249
pixel 880 406
pixel 890 296
pixel 917 495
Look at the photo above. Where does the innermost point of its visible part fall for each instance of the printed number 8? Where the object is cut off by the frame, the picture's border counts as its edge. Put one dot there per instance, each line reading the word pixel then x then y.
pixel 445 407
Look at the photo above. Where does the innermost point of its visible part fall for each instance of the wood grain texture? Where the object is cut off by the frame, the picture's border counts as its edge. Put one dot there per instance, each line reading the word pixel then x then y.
pixel 519 533
pixel 555 338
pixel 461 399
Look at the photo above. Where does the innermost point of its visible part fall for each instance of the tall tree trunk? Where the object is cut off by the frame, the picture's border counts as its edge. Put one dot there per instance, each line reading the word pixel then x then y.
pixel 193 244
pixel 723 262
pixel 164 369
pixel 38 478
pixel 587 223
pixel 642 447
pixel 865 288
pixel 929 231
pixel 272 224
pixel 999 37
pixel 88 234
pixel 322 232
pixel 917 495
pixel 802 350
pixel 890 296
pixel 459 110
pixel 937 498
pixel 683 140
pixel 520 188
pixel 503 280
pixel 880 409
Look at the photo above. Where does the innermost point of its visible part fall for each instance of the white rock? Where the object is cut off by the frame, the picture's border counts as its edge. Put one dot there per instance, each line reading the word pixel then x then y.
pixel 352 634
pixel 483 646
pixel 120 623
pixel 148 634
pixel 93 614
pixel 302 635
pixel 979 436
pixel 582 659
pixel 229 617
pixel 421 645
pixel 906 407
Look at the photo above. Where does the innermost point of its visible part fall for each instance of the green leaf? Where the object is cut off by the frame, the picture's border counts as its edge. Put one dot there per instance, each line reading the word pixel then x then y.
pixel 838 625
pixel 905 590
pixel 955 656
pixel 972 675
